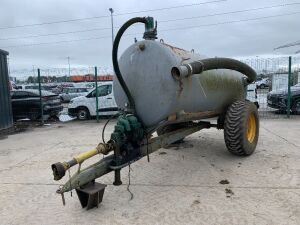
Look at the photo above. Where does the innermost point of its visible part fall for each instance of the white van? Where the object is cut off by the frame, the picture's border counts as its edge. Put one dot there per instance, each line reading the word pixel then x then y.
pixel 83 107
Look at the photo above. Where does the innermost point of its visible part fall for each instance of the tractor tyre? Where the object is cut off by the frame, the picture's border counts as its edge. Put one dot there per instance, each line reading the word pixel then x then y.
pixel 241 128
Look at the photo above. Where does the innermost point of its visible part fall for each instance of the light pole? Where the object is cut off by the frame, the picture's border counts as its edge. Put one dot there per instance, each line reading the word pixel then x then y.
pixel 112 24
pixel 69 67
pixel 33 71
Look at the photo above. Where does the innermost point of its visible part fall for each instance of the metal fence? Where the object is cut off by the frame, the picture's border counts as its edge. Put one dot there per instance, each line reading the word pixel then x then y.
pixel 63 82
pixel 81 80
pixel 278 86
pixel 274 90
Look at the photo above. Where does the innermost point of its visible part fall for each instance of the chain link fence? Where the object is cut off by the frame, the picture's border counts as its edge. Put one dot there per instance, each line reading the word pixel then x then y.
pixel 66 84
pixel 277 86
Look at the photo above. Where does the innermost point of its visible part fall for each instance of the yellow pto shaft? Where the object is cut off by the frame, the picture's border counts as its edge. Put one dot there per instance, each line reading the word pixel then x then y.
pixel 59 169
pixel 100 149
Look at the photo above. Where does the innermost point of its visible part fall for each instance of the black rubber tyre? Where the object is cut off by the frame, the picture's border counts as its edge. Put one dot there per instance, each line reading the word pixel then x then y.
pixel 34 116
pixel 241 128
pixel 83 113
pixel 296 107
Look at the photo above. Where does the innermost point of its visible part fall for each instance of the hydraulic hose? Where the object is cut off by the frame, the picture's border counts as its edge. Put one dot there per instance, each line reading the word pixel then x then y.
pixel 211 64
pixel 115 57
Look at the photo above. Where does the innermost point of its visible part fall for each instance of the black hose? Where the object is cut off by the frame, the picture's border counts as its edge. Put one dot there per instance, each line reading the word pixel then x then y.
pixel 214 63
pixel 115 57
pixel 103 129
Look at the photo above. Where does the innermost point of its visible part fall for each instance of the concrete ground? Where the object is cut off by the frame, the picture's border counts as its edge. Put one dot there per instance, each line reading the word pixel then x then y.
pixel 180 185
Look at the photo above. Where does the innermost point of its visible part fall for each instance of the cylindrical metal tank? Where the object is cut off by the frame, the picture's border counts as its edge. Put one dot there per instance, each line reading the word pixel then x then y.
pixel 146 68
pixel 6 117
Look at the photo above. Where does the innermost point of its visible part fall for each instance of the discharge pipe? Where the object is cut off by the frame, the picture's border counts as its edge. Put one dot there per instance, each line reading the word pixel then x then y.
pixel 200 66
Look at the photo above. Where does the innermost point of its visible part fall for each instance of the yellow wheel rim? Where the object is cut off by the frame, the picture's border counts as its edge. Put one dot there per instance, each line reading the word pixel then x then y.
pixel 251 128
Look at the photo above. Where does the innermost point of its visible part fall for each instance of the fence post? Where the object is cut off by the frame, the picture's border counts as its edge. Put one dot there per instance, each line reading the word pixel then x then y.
pixel 97 103
pixel 40 93
pixel 289 88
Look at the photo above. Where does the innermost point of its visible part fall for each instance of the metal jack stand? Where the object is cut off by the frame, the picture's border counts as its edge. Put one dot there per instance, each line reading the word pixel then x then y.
pixel 91 194
pixel 117 181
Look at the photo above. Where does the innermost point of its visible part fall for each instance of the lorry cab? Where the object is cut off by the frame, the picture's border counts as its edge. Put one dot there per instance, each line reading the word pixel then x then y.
pixel 84 107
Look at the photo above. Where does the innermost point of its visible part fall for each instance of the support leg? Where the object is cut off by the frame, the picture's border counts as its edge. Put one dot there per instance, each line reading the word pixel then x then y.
pixel 117 181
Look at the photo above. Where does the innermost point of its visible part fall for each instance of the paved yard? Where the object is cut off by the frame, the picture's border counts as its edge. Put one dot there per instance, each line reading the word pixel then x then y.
pixel 180 185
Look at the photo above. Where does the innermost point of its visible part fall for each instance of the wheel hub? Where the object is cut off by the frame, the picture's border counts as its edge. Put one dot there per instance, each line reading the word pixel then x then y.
pixel 82 114
pixel 251 128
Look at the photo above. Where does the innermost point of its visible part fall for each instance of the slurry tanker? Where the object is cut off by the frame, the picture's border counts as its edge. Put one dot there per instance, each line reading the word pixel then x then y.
pixel 163 94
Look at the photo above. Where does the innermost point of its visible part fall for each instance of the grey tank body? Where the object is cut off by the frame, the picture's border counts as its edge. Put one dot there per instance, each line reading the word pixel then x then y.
pixel 158 95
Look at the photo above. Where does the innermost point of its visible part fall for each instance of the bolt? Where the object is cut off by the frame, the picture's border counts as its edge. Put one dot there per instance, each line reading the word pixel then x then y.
pixel 142 46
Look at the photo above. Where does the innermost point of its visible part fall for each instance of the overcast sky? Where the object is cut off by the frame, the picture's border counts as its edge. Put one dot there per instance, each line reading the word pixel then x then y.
pixel 240 39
